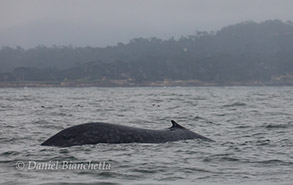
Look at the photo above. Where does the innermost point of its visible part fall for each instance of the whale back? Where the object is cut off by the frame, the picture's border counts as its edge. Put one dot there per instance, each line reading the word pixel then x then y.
pixel 98 132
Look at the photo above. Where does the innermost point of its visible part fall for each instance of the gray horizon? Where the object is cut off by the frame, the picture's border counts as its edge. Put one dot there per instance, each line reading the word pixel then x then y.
pixel 104 23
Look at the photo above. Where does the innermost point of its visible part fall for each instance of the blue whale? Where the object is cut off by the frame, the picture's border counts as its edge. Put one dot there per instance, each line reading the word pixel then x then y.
pixel 97 132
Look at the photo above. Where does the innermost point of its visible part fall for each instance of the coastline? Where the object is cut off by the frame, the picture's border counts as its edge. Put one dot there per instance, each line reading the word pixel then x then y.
pixel 127 83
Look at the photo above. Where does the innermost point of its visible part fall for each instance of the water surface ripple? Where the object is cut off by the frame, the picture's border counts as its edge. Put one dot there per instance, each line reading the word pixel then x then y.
pixel 252 127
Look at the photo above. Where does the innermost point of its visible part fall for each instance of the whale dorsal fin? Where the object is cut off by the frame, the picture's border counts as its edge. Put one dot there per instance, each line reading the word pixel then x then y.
pixel 175 125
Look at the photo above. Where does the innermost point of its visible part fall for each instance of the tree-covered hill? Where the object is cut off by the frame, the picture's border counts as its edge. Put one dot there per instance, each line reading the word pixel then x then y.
pixel 247 52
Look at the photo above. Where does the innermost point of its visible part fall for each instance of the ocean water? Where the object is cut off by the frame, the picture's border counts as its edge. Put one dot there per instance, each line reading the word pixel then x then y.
pixel 252 127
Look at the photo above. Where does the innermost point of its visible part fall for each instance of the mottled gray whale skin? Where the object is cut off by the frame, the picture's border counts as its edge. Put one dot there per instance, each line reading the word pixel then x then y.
pixel 97 132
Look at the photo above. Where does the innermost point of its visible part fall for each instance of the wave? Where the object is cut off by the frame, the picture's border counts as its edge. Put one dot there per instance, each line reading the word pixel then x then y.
pixel 278 125
pixel 236 104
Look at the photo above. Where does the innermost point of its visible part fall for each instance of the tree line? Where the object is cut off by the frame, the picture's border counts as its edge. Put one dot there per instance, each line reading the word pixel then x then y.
pixel 243 52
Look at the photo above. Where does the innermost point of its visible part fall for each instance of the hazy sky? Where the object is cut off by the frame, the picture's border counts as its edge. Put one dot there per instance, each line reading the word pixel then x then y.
pixel 29 23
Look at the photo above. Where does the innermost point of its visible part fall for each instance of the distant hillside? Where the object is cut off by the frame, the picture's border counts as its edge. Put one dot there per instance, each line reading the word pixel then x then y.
pixel 244 53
